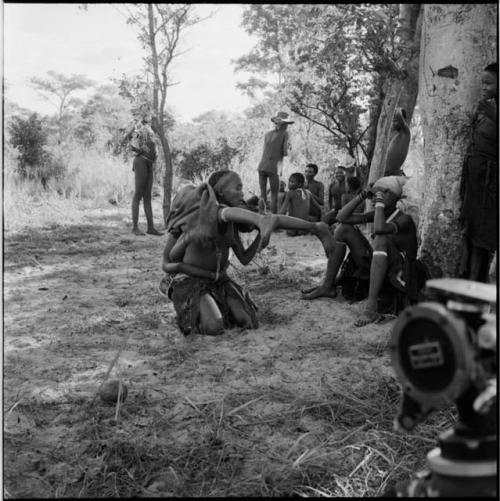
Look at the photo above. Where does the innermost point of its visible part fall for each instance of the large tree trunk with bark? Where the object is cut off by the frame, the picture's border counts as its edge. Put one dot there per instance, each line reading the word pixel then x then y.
pixel 401 87
pixel 458 41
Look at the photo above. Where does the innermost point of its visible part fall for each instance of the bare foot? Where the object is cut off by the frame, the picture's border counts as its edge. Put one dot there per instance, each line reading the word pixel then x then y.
pixel 138 232
pixel 320 291
pixel 322 231
pixel 154 232
pixel 267 225
pixel 369 316
pixel 262 206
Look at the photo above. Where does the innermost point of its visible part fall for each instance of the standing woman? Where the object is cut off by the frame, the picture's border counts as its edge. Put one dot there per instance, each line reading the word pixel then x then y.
pixel 271 164
pixel 479 188
pixel 144 148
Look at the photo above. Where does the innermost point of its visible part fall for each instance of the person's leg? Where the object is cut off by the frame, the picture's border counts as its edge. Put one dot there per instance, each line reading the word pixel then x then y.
pixel 211 319
pixel 263 188
pixel 274 184
pixel 148 210
pixel 345 236
pixel 378 272
pixel 141 180
pixel 479 264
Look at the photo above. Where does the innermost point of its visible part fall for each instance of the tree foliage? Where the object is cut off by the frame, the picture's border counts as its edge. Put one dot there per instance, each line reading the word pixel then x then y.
pixel 30 137
pixel 327 61
pixel 160 28
pixel 200 161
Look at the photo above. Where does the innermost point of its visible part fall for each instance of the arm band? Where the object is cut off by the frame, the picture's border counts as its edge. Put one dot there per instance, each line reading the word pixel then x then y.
pixel 380 204
pixel 222 216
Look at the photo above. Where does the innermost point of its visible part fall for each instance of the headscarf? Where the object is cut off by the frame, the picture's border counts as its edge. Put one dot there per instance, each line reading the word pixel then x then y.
pixel 392 183
pixel 194 213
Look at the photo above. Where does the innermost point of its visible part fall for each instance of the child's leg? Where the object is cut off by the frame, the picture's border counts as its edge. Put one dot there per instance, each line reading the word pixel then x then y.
pixel 141 182
pixel 211 319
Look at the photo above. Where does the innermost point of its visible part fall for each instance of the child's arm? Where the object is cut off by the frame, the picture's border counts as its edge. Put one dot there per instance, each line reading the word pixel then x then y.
pixel 244 255
pixel 285 204
pixel 175 249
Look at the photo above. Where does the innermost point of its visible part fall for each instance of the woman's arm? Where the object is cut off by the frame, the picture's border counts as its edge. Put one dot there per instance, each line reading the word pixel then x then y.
pixel 244 255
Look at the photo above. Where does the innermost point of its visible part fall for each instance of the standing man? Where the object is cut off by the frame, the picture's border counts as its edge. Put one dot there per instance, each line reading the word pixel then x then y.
pixel 271 164
pixel 317 190
pixel 144 148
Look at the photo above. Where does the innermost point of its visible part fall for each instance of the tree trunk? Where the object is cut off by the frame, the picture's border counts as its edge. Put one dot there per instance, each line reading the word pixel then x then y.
pixel 458 41
pixel 401 85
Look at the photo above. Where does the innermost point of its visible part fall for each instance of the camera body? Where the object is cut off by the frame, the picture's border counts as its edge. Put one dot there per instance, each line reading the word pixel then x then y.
pixel 444 352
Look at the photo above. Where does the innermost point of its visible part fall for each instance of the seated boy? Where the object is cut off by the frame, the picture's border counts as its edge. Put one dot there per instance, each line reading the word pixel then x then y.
pixel 394 249
pixel 353 189
pixel 297 201
pixel 203 224
pixel 317 190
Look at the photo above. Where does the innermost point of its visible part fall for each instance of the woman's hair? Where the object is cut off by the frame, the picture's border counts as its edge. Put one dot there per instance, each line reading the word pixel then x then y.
pixel 299 178
pixel 492 68
pixel 216 176
pixel 314 167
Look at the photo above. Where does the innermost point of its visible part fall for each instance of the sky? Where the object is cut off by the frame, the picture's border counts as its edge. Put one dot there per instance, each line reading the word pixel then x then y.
pixel 99 44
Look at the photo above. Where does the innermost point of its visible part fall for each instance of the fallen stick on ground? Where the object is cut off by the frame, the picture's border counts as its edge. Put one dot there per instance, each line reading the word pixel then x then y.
pixel 117 356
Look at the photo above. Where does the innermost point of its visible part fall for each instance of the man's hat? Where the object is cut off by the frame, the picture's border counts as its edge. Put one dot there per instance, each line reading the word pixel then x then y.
pixel 281 117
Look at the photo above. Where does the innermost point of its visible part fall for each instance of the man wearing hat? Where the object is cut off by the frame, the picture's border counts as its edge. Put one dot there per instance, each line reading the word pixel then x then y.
pixel 275 148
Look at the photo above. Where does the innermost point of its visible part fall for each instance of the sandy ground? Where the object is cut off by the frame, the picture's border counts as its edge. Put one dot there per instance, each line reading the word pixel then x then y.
pixel 73 296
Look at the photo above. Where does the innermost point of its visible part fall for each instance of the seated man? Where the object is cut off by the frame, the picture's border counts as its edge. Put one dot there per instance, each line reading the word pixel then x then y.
pixel 317 190
pixel 297 201
pixel 353 189
pixel 394 249
pixel 203 224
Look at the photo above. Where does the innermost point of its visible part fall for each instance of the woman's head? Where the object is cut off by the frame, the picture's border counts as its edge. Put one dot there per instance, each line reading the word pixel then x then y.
pixel 228 187
pixel 489 81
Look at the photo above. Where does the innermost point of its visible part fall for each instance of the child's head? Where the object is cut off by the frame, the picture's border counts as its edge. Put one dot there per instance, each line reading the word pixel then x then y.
pixel 253 203
pixel 295 181
pixel 311 171
pixel 353 184
pixel 489 81
pixel 282 186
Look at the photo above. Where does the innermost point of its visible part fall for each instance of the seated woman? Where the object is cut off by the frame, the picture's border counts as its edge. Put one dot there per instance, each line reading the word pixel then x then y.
pixel 393 255
pixel 203 224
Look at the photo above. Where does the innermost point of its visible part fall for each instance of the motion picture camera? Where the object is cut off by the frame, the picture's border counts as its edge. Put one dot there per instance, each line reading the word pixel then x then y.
pixel 444 352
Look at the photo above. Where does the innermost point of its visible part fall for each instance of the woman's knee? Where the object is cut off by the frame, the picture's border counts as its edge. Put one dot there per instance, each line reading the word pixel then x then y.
pixel 211 319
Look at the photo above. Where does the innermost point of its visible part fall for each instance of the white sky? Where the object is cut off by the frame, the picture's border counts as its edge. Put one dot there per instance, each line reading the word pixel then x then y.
pixel 99 44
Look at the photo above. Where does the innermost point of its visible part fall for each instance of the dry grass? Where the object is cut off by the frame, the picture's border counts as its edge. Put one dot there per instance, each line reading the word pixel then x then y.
pixel 227 451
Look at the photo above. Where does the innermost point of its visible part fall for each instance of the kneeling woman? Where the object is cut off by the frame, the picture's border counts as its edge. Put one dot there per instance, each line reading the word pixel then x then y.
pixel 203 224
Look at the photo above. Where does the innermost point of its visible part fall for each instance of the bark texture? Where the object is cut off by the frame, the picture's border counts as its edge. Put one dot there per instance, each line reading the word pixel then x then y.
pixel 458 41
